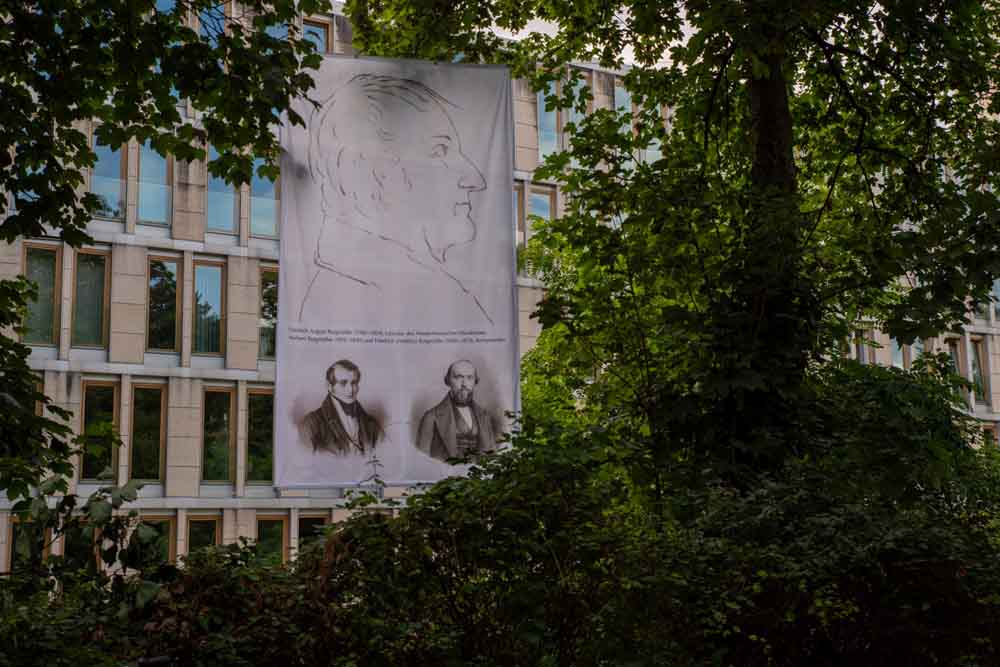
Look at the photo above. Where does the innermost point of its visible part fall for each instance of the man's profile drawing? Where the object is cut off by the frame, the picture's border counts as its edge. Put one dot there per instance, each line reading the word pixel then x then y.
pixel 457 427
pixel 340 425
pixel 396 190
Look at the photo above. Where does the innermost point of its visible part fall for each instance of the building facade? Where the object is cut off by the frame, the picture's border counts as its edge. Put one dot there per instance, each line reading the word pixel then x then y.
pixel 164 326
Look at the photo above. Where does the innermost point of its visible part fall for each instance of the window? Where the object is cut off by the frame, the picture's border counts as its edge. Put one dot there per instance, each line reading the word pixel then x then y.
pixel 100 418
pixel 311 528
pixel 896 351
pixel 264 194
pixel 212 23
pixel 91 298
pixel 209 329
pixel 979 382
pixel 220 207
pixel 154 186
pixel 80 547
pixel 318 33
pixel 153 542
pixel 573 115
pixel 989 435
pixel 548 124
pixel 219 436
pixel 260 435
pixel 42 266
pixel 623 99
pixel 272 539
pixel 268 311
pixel 148 432
pixel 862 352
pixel 916 350
pixel 203 531
pixel 107 181
pixel 955 356
pixel 163 325
pixel 29 544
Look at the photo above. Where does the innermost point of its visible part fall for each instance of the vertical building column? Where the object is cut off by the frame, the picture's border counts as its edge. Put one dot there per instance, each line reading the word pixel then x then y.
pixel 129 289
pixel 525 126
pixel 187 309
pixel 230 529
pixel 184 424
pixel 246 524
pixel 66 300
pixel 243 195
pixel 241 438
pixel 242 297
pixel 125 428
pixel 293 532
pixel 4 541
pixel 131 156
pixel 71 398
pixel 181 545
pixel 190 189
pixel 10 259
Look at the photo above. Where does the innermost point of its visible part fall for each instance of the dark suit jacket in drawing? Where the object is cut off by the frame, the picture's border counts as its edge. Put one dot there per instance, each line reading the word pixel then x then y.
pixel 325 431
pixel 437 433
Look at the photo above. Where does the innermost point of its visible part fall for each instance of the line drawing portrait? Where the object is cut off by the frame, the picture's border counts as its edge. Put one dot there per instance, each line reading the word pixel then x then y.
pixel 457 426
pixel 395 187
pixel 340 425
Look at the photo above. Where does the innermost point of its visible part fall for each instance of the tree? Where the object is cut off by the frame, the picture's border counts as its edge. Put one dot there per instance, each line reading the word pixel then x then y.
pixel 128 69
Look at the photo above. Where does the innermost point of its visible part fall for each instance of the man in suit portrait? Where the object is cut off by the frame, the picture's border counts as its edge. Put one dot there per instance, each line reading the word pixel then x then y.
pixel 340 425
pixel 457 427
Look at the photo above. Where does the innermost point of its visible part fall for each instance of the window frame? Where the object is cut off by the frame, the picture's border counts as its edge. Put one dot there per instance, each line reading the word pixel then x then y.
pixel 540 189
pixel 222 305
pixel 234 226
pixel 178 301
pixel 540 104
pixel 203 518
pixel 325 516
pixel 13 520
pixel 169 184
pixel 259 391
pixel 265 268
pixel 327 29
pixel 285 536
pixel 277 209
pixel 980 354
pixel 171 521
pixel 520 217
pixel 163 388
pixel 106 308
pixel 122 177
pixel 231 391
pixel 56 288
pixel 115 424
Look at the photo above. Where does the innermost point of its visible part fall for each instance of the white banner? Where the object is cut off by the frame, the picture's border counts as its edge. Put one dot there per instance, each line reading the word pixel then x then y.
pixel 397 320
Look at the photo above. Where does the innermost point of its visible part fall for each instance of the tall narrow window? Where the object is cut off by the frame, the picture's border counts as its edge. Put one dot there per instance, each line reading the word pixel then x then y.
pixel 219 436
pixel 263 204
pixel 573 114
pixel 260 435
pixel 164 304
pixel 623 100
pixel 154 186
pixel 979 383
pixel 221 204
pixel 28 545
pixel 897 353
pixel 311 528
pixel 90 299
pixel 152 542
pixel 107 181
pixel 548 124
pixel 268 311
pixel 955 357
pixel 148 432
pixel 209 329
pixel 100 418
pixel 317 33
pixel 916 350
pixel 212 23
pixel 42 266
pixel 80 547
pixel 203 532
pixel 272 539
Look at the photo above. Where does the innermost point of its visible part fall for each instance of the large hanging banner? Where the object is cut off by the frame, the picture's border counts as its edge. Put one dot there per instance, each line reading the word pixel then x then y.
pixel 397 320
